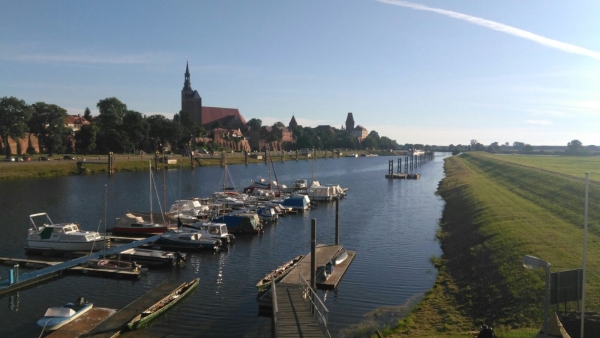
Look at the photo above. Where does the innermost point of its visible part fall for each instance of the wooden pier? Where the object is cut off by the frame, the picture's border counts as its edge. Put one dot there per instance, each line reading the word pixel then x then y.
pixel 113 326
pixel 294 315
pixel 83 324
pixel 404 176
pixel 32 278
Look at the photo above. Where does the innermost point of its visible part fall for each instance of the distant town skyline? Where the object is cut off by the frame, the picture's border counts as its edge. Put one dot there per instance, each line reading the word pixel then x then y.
pixel 430 72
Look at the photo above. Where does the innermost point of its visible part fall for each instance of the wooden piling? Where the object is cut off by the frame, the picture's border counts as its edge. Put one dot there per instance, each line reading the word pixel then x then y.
pixel 337 221
pixel 246 158
pixel 297 155
pixel 390 167
pixel 282 155
pixel 192 160
pixel 156 161
pixel 223 162
pixel 399 165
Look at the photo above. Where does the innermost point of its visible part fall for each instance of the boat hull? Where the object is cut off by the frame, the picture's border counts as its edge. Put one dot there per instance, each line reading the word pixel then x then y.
pixel 140 230
pixel 282 271
pixel 55 323
pixel 49 245
pixel 186 245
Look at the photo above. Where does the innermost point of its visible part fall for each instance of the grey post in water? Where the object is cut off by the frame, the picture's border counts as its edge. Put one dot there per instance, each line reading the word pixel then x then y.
pixel 337 221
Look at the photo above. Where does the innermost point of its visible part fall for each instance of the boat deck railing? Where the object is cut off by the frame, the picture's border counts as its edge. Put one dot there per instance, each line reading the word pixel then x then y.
pixel 317 306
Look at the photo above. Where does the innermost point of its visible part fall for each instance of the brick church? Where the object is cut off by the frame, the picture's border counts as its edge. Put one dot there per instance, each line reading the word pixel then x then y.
pixel 208 117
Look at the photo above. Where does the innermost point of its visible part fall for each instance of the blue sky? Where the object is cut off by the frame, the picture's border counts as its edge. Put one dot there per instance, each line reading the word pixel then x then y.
pixel 438 74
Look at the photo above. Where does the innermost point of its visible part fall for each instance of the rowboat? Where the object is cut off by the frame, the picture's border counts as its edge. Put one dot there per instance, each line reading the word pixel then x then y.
pixel 265 283
pixel 162 305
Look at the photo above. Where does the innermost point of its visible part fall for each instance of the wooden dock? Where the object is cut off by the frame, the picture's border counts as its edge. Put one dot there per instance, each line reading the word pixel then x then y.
pixel 83 324
pixel 403 176
pixel 113 326
pixel 34 264
pixel 294 318
pixel 37 276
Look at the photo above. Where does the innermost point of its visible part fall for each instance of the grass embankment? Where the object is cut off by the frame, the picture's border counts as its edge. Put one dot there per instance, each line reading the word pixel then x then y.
pixel 123 163
pixel 495 213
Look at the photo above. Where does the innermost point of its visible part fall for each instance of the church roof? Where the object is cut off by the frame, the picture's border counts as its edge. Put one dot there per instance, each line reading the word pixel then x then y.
pixel 211 114
pixel 359 127
pixel 350 118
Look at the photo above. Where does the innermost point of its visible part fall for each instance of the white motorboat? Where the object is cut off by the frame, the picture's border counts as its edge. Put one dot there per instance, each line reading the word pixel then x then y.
pixel 190 208
pixel 300 184
pixel 149 257
pixel 57 317
pixel 414 152
pixel 266 214
pixel 180 239
pixel 61 236
pixel 211 230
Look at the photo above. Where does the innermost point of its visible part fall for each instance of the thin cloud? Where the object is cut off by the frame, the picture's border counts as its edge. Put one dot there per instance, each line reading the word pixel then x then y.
pixel 539 122
pixel 500 27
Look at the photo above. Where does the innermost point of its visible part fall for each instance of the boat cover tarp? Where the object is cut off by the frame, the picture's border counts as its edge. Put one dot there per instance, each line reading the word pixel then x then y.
pixel 295 201
pixel 59 312
pixel 239 222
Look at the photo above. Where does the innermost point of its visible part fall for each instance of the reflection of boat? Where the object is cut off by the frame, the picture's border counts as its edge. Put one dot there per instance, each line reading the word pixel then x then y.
pixel 56 317
pixel 132 224
pixel 149 257
pixel 162 305
pixel 352 155
pixel 178 239
pixel 61 236
pixel 265 283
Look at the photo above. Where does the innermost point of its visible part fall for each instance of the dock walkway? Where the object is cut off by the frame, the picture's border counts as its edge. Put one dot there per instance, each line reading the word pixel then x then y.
pixel 294 318
pixel 83 324
pixel 34 277
pixel 113 326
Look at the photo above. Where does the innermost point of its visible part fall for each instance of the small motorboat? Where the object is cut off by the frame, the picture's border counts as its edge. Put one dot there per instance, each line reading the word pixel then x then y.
pixel 265 283
pixel 211 230
pixel 267 214
pixel 61 236
pixel 56 317
pixel 181 239
pixel 132 224
pixel 162 305
pixel 149 257
pixel 340 258
pixel 112 264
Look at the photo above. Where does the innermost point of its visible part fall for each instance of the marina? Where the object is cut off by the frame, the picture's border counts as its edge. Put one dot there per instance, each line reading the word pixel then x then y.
pixel 229 276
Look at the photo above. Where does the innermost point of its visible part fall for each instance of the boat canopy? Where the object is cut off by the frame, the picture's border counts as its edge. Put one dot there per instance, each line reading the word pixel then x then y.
pixel 59 312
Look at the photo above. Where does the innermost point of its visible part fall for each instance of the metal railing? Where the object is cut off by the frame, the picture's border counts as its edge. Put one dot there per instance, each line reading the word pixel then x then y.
pixel 317 306
pixel 274 302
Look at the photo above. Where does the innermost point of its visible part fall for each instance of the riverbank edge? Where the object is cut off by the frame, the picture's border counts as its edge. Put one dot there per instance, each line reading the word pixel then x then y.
pixel 449 309
pixel 130 163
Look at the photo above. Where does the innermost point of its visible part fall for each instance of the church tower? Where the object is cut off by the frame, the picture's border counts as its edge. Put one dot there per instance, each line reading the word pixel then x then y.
pixel 191 101
pixel 350 123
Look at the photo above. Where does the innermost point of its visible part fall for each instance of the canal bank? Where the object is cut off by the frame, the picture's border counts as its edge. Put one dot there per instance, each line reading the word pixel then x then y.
pixel 495 213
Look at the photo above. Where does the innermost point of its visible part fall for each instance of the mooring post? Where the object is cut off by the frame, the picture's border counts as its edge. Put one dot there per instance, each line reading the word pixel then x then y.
pixel 265 156
pixel 313 261
pixel 390 168
pixel 156 161
pixel 246 157
pixel 399 165
pixel 296 155
pixel 192 159
pixel 222 159
pixel 337 221
pixel 282 155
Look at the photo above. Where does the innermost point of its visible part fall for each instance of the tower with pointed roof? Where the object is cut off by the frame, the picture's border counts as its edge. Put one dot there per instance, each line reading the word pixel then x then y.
pixel 293 124
pixel 191 101
pixel 350 122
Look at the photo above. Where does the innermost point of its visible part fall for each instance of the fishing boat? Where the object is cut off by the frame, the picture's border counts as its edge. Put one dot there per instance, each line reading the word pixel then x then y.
pixel 132 224
pixel 162 305
pixel 181 239
pixel 148 257
pixel 61 236
pixel 265 283
pixel 56 317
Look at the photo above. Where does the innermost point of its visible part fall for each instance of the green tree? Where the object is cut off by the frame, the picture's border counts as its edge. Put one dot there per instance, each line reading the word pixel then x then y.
pixel 278 125
pixel 137 129
pixel 14 114
pixel 254 124
pixel 110 135
pixel 48 124
pixel 87 114
pixel 85 138
pixel 574 147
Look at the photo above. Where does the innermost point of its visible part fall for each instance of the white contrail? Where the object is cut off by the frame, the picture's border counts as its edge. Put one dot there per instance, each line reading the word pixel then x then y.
pixel 499 27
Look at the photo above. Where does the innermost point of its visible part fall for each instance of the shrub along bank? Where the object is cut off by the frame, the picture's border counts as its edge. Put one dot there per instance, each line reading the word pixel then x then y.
pixel 496 212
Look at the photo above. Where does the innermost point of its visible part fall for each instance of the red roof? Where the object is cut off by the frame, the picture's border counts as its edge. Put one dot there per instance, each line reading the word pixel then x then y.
pixel 210 114
pixel 76 119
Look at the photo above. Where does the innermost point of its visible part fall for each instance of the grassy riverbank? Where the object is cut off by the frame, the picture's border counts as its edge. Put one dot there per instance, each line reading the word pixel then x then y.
pixel 97 164
pixel 495 213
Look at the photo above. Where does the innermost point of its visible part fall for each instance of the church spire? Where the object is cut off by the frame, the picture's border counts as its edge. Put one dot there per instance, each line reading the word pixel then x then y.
pixel 187 85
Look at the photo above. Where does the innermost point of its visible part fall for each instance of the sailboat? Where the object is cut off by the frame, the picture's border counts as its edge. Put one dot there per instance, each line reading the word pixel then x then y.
pixel 110 264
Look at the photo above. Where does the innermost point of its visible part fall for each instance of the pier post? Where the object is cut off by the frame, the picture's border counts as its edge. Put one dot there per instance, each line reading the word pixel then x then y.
pixel 313 253
pixel 390 168
pixel 266 161
pixel 337 221
pixel 399 165
pixel 223 159
pixel 297 155
pixel 156 161
pixel 246 157
pixel 282 155
pixel 406 165
pixel 192 159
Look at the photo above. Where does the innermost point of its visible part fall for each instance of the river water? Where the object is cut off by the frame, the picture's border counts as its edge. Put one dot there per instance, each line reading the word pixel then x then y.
pixel 391 224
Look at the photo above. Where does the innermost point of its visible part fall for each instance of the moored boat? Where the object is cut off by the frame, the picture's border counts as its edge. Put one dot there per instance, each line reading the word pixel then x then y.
pixel 266 214
pixel 113 264
pixel 163 304
pixel 132 224
pixel 148 257
pixel 265 283
pixel 180 239
pixel 241 223
pixel 211 230
pixel 56 317
pixel 61 237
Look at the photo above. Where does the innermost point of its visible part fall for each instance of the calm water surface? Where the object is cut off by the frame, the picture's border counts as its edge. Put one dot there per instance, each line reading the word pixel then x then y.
pixel 390 224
